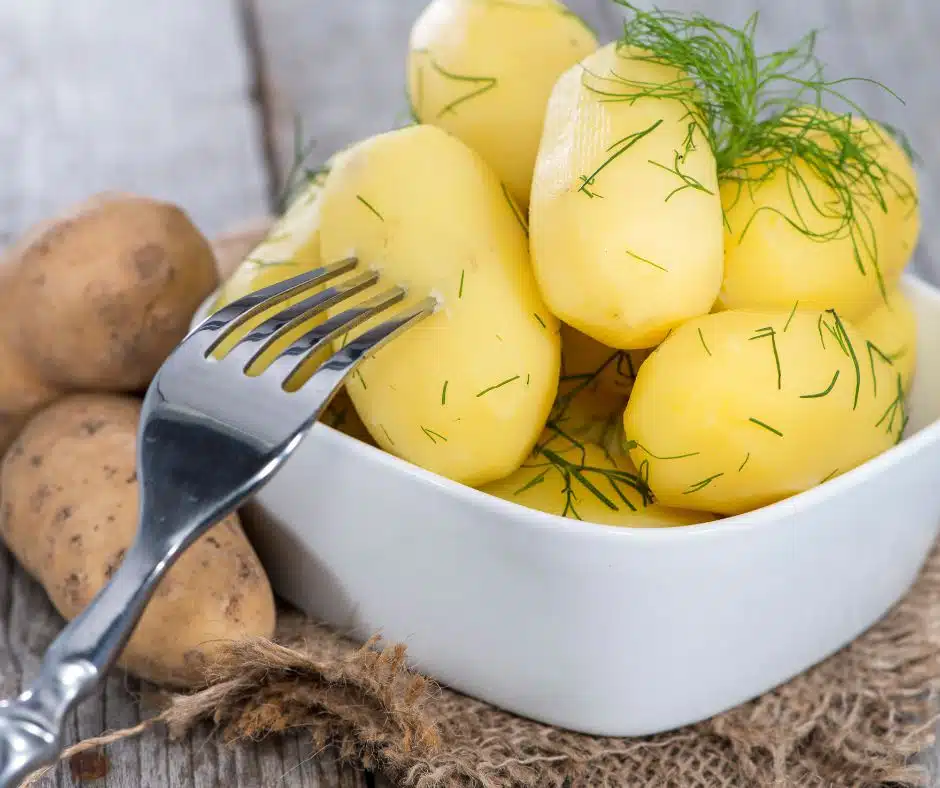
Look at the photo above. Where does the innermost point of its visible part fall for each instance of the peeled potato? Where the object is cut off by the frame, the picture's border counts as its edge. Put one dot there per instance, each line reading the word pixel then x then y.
pixel 739 409
pixel 291 248
pixel 550 485
pixel 625 217
pixel 483 70
pixel 587 363
pixel 789 236
pixel 466 392
pixel 892 329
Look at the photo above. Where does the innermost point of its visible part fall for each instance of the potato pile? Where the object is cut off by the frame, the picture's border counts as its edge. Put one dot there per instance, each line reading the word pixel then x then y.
pixel 666 293
pixel 91 303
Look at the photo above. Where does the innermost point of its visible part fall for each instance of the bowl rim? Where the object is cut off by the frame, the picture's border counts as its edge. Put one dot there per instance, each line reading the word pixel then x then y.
pixel 542 521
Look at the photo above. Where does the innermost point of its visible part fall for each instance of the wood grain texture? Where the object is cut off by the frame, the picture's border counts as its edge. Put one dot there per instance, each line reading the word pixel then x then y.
pixel 164 98
pixel 137 95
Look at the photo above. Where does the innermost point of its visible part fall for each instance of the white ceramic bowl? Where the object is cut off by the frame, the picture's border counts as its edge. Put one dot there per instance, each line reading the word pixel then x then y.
pixel 604 630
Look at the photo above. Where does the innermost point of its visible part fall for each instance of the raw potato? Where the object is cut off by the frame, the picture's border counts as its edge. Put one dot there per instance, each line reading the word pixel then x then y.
pixel 484 69
pixel 111 286
pixel 466 392
pixel 623 248
pixel 780 248
pixel 541 485
pixel 69 512
pixel 892 328
pixel 740 409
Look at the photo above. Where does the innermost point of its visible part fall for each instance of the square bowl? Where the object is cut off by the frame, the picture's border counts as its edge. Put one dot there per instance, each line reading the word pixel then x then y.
pixel 599 629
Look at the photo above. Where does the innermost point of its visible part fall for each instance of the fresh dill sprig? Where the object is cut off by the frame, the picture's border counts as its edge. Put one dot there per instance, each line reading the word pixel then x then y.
pixel 766 426
pixel 826 391
pixel 768 332
pixel 874 350
pixel 484 85
pixel 616 150
pixel 761 115
pixel 846 342
pixel 370 207
pixel 300 173
pixel 520 217
pixel 646 260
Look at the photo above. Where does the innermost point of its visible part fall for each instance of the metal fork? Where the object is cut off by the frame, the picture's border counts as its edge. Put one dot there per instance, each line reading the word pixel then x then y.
pixel 210 435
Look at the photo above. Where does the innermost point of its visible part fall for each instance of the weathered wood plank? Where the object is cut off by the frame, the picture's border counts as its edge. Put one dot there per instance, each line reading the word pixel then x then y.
pixel 340 68
pixel 155 98
pixel 134 95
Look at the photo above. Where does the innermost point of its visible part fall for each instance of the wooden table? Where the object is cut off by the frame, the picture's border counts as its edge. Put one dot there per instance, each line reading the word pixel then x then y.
pixel 195 102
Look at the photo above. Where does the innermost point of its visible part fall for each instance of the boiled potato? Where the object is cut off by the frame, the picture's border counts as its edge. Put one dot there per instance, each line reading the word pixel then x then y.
pixel 70 503
pixel 740 409
pixel 626 227
pixel 483 70
pixel 586 483
pixel 815 233
pixel 466 392
pixel 587 363
pixel 892 329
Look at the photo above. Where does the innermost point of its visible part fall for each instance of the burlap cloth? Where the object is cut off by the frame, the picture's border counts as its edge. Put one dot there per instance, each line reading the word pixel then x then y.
pixel 861 718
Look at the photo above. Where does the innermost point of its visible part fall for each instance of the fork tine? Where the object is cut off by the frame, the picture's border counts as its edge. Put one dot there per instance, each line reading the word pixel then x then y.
pixel 260 338
pixel 330 375
pixel 216 326
pixel 314 340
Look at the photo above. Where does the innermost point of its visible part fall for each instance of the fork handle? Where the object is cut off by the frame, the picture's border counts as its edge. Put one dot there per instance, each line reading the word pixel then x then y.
pixel 31 725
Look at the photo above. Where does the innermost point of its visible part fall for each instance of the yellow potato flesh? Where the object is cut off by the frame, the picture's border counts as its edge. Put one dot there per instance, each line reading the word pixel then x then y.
pixel 587 363
pixel 552 487
pixel 892 328
pixel 291 248
pixel 790 238
pixel 625 247
pixel 483 70
pixel 466 392
pixel 740 409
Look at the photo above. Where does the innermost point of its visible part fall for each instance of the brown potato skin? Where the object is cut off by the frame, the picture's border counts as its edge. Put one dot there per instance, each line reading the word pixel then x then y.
pixel 69 497
pixel 105 291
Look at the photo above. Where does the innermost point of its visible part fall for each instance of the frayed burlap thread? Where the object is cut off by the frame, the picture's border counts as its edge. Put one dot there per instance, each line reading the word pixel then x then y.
pixel 861 718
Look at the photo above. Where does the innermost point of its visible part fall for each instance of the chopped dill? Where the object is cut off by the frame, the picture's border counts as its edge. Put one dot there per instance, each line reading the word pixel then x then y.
pixel 825 391
pixel 819 326
pixel 746 460
pixel 532 482
pixel 541 322
pixel 498 385
pixel 382 427
pixel 645 260
pixel 759 115
pixel 433 436
pixel 622 146
pixel 485 84
pixel 460 289
pixel 874 350
pixel 362 380
pixel 444 393
pixel 630 445
pixel 896 412
pixel 790 318
pixel 766 426
pixel 528 378
pixel 846 341
pixel 699 486
pixel 370 206
pixel 830 476
pixel 701 337
pixel 515 210
pixel 768 332
pixel 300 173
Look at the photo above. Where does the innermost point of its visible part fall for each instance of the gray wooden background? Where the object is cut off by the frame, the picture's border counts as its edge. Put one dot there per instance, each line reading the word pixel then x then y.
pixel 194 101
